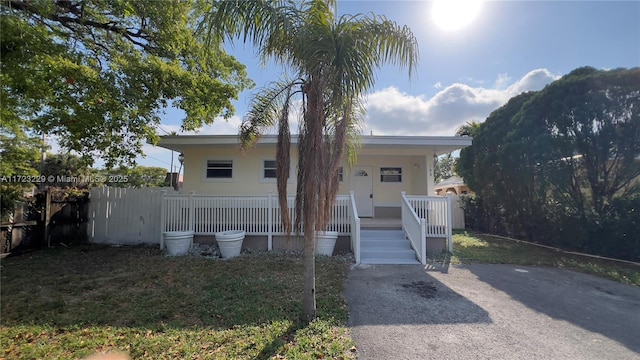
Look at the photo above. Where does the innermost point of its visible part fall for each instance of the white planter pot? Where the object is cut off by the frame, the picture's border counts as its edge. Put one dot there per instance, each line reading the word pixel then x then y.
pixel 325 242
pixel 230 242
pixel 178 242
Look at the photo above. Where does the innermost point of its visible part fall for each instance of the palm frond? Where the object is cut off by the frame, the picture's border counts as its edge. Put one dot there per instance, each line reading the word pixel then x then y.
pixel 366 43
pixel 265 110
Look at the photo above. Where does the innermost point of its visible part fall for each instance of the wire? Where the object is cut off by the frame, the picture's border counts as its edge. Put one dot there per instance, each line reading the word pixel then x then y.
pixel 163 130
pixel 156 159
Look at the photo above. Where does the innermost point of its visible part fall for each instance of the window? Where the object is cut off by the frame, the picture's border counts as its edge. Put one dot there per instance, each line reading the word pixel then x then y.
pixel 340 174
pixel 390 174
pixel 269 169
pixel 219 169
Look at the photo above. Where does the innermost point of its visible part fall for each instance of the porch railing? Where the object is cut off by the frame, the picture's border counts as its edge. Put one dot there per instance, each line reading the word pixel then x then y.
pixel 256 214
pixel 355 228
pixel 436 210
pixel 414 228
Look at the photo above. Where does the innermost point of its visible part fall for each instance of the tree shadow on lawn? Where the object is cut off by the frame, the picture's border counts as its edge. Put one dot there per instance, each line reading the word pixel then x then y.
pixel 592 303
pixel 406 295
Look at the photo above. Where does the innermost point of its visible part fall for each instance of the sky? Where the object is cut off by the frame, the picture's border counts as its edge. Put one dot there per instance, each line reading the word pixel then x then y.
pixel 463 74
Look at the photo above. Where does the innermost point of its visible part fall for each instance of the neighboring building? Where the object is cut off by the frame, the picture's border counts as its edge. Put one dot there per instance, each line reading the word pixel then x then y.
pixel 454 185
pixel 386 166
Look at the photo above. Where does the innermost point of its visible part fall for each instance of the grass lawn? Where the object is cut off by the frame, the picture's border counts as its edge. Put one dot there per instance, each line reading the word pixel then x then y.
pixel 471 247
pixel 69 303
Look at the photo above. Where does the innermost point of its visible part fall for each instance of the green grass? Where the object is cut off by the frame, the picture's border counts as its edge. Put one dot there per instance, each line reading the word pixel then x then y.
pixel 70 303
pixel 472 247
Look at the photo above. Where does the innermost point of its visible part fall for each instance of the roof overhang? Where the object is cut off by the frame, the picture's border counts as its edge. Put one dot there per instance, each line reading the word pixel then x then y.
pixel 438 144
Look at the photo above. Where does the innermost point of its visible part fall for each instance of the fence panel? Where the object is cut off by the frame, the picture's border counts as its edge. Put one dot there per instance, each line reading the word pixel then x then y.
pixel 68 220
pixel 127 216
pixel 457 212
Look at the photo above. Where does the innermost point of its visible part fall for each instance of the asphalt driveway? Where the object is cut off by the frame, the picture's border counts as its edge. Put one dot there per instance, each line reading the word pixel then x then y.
pixel 491 312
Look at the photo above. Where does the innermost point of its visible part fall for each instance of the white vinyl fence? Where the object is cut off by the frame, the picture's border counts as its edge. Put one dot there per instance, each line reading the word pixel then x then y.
pixel 125 216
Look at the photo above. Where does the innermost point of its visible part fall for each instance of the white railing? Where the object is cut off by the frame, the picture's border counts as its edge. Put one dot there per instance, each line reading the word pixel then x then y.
pixel 414 228
pixel 436 210
pixel 355 229
pixel 257 214
pixel 176 214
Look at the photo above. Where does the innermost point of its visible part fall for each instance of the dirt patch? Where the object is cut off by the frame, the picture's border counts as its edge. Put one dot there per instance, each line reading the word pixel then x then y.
pixel 425 289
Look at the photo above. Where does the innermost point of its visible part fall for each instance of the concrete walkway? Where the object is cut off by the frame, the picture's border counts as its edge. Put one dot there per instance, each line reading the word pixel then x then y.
pixel 491 312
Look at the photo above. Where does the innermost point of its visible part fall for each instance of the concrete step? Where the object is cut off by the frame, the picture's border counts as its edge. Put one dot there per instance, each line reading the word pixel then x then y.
pixel 389 262
pixel 385 247
pixel 385 244
pixel 387 253
pixel 381 235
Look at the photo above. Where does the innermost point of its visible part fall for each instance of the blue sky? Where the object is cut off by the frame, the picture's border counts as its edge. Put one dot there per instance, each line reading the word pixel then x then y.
pixel 464 74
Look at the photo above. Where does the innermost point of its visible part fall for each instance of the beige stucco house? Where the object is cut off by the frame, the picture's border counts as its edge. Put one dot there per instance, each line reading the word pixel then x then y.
pixel 386 166
pixel 389 184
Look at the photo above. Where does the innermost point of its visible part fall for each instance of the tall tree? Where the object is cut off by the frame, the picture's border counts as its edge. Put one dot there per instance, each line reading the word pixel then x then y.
pixel 593 119
pixel 331 63
pixel 18 155
pixel 98 74
pixel 68 170
pixel 500 167
pixel 563 164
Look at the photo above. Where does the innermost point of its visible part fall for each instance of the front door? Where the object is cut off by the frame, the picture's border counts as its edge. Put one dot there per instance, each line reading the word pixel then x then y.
pixel 362 186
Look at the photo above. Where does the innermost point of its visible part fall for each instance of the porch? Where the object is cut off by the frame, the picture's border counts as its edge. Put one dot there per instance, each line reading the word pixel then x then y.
pixel 425 223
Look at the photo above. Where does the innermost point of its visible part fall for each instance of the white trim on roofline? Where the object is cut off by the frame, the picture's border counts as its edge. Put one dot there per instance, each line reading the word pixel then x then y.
pixel 180 141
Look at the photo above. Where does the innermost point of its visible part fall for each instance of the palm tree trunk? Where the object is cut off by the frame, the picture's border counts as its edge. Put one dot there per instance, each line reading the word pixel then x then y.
pixel 312 143
pixel 309 263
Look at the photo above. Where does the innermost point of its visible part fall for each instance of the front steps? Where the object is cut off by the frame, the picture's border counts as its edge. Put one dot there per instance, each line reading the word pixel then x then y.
pixel 385 247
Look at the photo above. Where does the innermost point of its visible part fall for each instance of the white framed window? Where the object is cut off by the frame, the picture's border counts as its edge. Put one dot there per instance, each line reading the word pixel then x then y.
pixel 341 174
pixel 269 169
pixel 219 170
pixel 390 174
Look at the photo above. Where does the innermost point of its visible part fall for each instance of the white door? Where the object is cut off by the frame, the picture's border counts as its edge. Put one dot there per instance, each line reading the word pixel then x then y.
pixel 362 186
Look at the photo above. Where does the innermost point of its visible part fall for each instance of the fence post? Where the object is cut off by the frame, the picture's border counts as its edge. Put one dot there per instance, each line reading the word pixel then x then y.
pixel 47 217
pixel 449 224
pixel 163 215
pixel 270 221
pixel 423 240
pixel 192 217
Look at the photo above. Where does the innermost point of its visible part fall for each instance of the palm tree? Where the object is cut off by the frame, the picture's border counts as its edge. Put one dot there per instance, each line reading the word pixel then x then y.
pixel 470 128
pixel 331 65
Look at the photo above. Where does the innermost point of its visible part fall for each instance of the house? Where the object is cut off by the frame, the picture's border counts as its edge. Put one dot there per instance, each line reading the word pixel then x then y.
pixel 386 166
pixel 454 185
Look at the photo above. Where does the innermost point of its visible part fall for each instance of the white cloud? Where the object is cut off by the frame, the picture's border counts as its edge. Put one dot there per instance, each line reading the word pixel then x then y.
pixel 392 112
pixel 438 85
pixel 533 81
pixel 502 81
pixel 219 127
